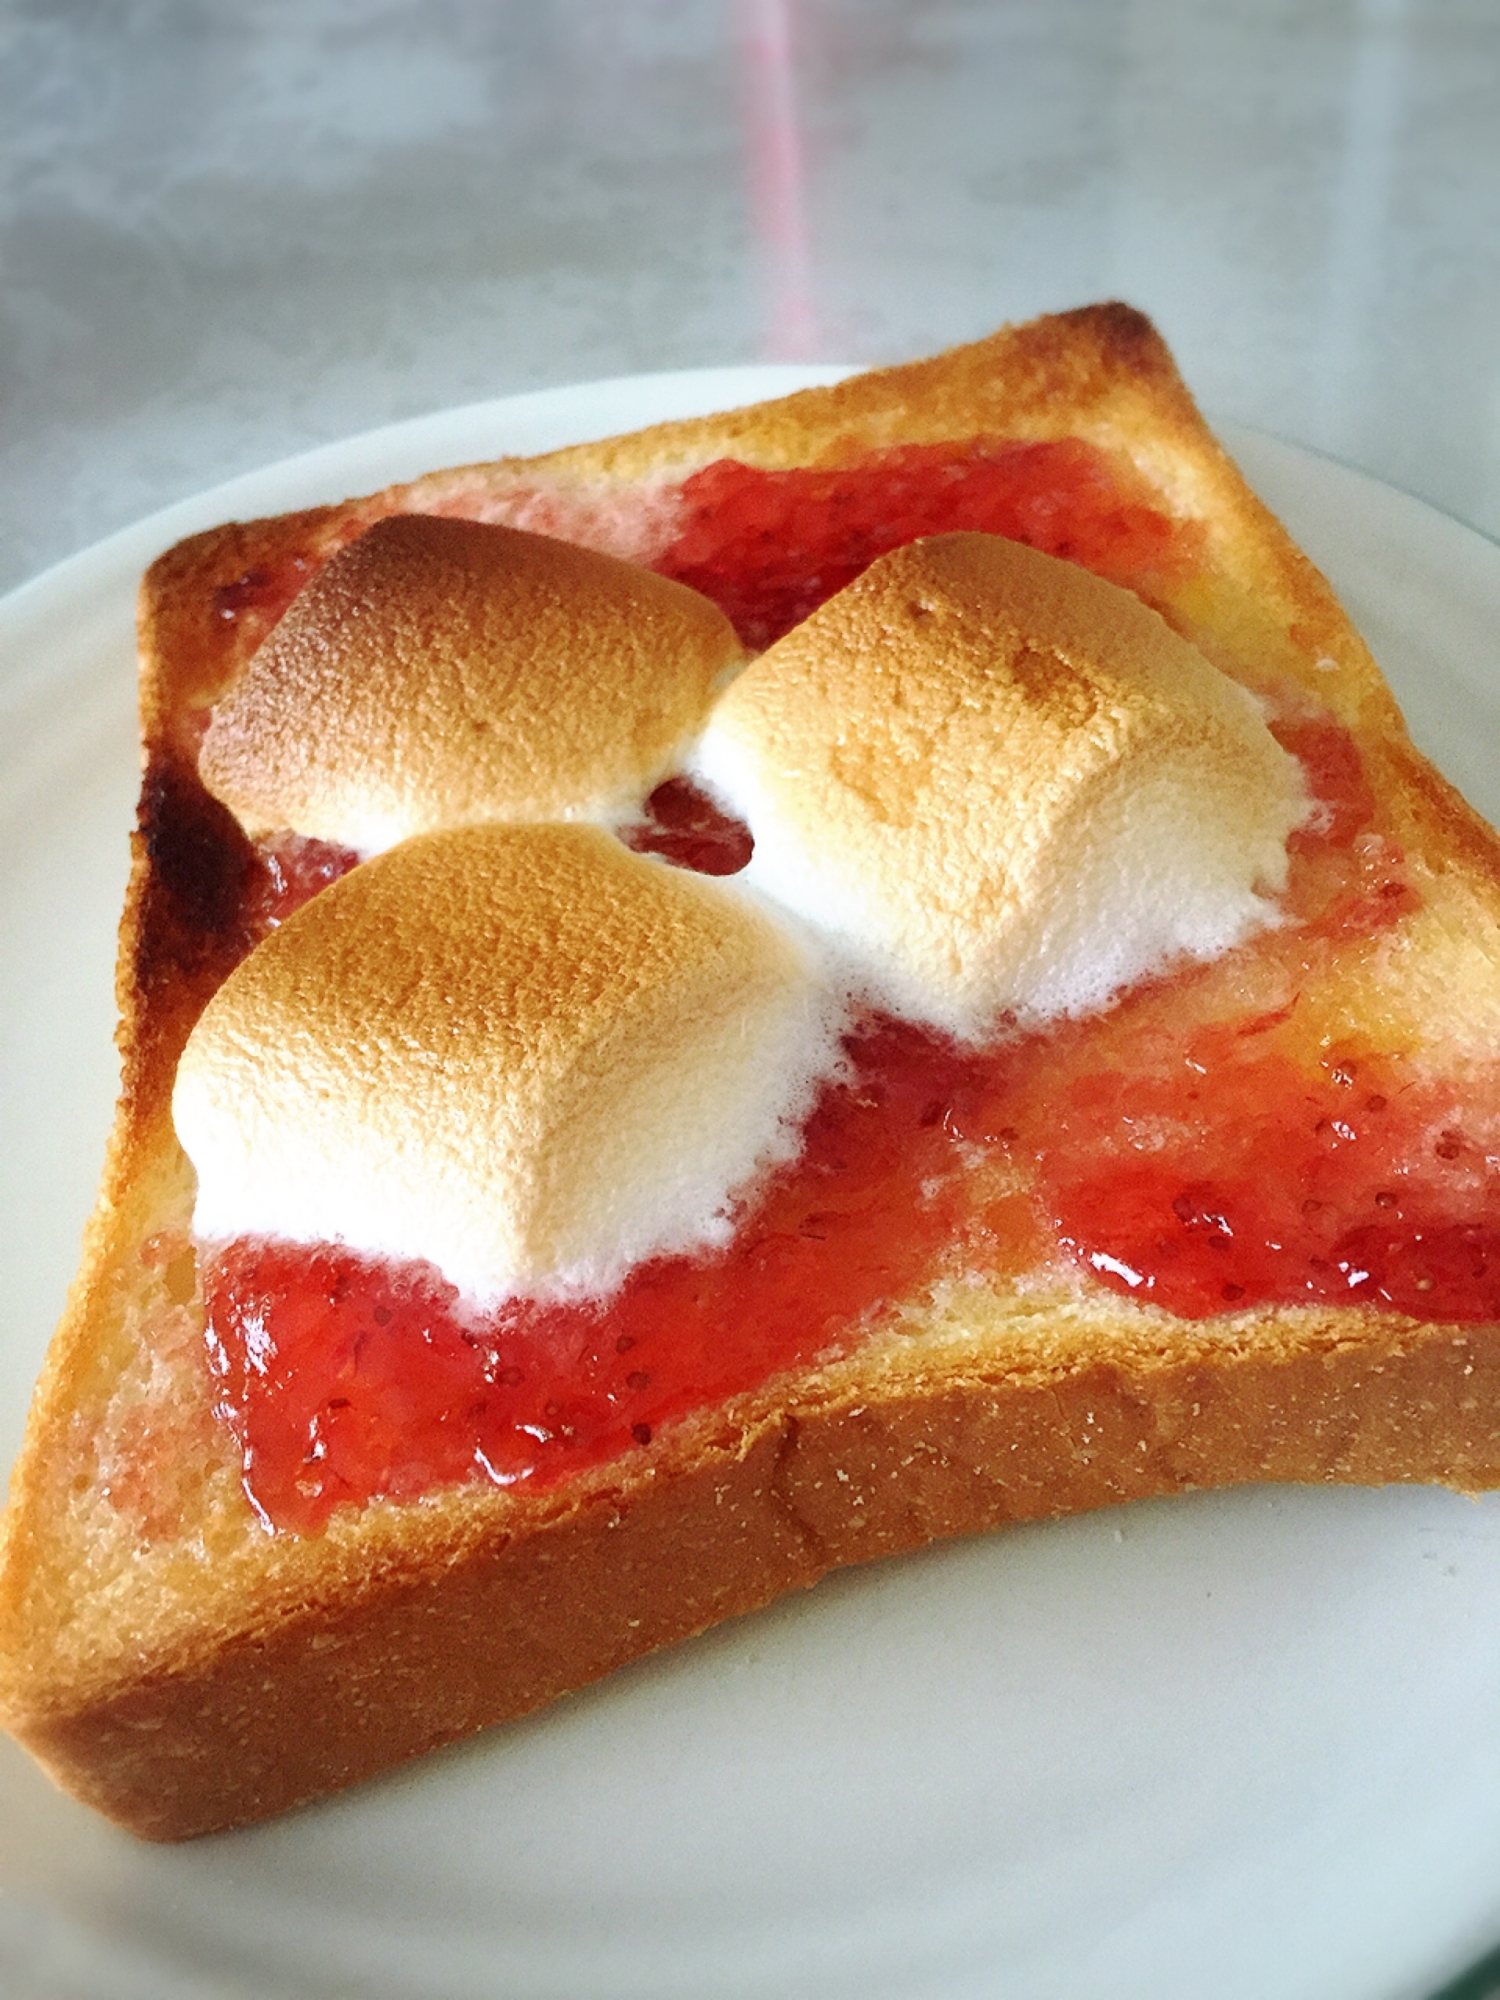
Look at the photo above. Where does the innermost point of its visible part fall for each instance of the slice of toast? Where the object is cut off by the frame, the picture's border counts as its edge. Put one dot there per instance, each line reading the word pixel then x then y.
pixel 184 1660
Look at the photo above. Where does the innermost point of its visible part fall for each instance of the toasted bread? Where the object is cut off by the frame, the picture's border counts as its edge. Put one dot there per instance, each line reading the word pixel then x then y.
pixel 184 1660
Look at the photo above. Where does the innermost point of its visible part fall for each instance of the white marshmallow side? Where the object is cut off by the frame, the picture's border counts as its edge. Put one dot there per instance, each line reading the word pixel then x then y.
pixel 1152 878
pixel 662 1188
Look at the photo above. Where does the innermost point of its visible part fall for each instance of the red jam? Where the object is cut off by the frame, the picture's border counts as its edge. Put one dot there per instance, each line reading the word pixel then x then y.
pixel 288 870
pixel 1204 1145
pixel 1209 1157
pixel 250 591
pixel 685 827
pixel 250 604
pixel 1236 1177
pixel 770 547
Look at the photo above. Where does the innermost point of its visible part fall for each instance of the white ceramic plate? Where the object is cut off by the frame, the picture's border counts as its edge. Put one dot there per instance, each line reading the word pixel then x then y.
pixel 1246 1745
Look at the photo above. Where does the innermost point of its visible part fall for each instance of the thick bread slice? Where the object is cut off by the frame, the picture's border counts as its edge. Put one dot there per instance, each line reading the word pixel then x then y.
pixel 177 1666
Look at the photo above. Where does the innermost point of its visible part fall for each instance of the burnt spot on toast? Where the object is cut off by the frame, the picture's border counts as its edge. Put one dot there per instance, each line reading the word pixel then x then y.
pixel 199 861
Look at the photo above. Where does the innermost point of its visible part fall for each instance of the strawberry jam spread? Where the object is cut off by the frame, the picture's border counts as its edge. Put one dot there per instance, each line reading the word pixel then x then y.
pixel 1206 1145
pixel 286 871
pixel 685 827
pixel 770 547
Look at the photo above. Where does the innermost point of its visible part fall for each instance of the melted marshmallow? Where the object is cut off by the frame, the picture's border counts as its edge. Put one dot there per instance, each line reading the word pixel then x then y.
pixel 440 673
pixel 999 787
pixel 523 1054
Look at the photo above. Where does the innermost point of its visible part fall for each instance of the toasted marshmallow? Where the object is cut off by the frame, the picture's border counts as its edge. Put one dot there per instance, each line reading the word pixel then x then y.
pixel 522 1054
pixel 1000 787
pixel 440 673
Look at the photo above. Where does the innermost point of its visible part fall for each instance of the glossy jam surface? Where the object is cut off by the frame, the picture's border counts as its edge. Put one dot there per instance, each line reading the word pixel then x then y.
pixel 1212 1155
pixel 685 827
pixel 770 547
pixel 1238 1176
pixel 286 871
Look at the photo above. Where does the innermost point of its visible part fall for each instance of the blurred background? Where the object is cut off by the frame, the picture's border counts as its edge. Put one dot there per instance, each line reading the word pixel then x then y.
pixel 229 233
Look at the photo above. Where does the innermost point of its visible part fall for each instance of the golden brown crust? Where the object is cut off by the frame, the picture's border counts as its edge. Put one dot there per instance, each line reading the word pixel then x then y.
pixel 1101 371
pixel 182 1670
pixel 264 1721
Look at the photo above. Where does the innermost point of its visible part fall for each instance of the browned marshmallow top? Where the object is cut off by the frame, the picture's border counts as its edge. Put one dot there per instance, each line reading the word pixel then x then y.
pixel 981 782
pixel 998 785
pixel 522 1053
pixel 440 673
